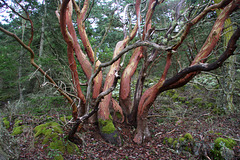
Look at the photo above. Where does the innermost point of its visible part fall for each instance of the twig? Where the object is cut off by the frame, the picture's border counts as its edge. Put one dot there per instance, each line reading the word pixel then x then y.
pixel 232 138
pixel 171 131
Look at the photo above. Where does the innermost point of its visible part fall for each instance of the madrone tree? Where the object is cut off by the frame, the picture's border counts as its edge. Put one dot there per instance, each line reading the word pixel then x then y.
pixel 149 43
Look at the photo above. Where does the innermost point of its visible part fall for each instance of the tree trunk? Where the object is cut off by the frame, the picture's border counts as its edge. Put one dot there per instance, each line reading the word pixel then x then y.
pixel 150 95
pixel 21 63
pixel 229 75
pixel 107 129
pixel 125 89
pixel 43 28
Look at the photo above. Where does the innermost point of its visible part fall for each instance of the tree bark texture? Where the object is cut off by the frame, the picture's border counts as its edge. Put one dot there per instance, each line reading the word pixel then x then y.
pixel 150 95
pixel 43 28
pixel 227 82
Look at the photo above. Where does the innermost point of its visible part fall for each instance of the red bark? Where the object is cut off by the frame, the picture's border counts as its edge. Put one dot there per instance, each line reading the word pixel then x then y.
pixel 125 89
pixel 210 42
pixel 146 102
pixel 81 29
pixel 150 95
pixel 125 85
pixel 71 60
pixel 117 108
pixel 82 59
pixel 88 48
pixel 103 112
pixel 67 37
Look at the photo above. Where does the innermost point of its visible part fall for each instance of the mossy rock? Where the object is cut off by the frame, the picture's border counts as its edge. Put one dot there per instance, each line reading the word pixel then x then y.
pixel 41 129
pixel 109 132
pixel 170 140
pixel 106 126
pixel 64 146
pixel 17 130
pixel 175 142
pixel 6 122
pixel 182 143
pixel 50 134
pixel 188 136
pixel 228 142
pixel 223 148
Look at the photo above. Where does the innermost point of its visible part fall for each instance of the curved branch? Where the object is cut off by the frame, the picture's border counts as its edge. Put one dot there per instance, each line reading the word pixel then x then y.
pixel 198 18
pixel 128 48
pixel 74 113
pixel 204 66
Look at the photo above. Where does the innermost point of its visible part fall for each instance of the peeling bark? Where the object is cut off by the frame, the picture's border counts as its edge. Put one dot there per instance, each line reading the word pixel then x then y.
pixel 150 95
pixel 125 89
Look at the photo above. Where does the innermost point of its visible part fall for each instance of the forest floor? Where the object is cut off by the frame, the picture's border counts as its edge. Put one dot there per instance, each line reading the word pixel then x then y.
pixel 164 121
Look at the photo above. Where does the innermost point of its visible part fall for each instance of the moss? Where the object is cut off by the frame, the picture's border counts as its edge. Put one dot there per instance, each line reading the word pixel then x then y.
pixel 221 144
pixel 118 115
pixel 182 99
pixel 72 148
pixel 170 93
pixel 165 140
pixel 169 109
pixel 211 131
pixel 50 133
pixel 229 143
pixel 196 86
pixel 42 129
pixel 160 120
pixel 188 136
pixel 219 134
pixel 65 118
pixel 17 130
pixel 17 122
pixel 58 157
pixel 188 149
pixel 210 105
pixel 187 102
pixel 6 122
pixel 170 140
pixel 58 145
pixel 115 135
pixel 197 100
pixel 50 136
pixel 106 126
pixel 181 139
pixel 175 143
pixel 175 97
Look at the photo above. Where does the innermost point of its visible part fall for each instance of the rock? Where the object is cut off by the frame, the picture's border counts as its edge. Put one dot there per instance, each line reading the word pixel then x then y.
pixel 8 145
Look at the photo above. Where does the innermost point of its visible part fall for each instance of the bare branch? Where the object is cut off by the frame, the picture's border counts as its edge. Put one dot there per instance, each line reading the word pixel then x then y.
pixel 41 71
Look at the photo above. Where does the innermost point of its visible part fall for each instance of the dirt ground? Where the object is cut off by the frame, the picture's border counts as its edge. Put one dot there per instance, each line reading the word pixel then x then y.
pixel 203 125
